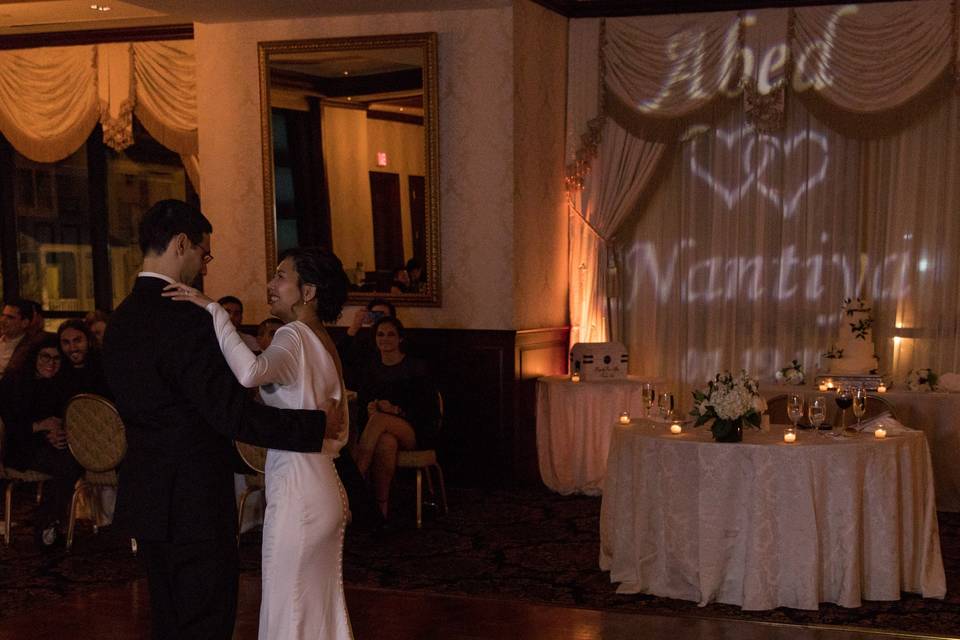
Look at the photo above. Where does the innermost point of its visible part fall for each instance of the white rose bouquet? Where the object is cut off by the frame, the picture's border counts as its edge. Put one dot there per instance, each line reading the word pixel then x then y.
pixel 792 374
pixel 922 380
pixel 731 403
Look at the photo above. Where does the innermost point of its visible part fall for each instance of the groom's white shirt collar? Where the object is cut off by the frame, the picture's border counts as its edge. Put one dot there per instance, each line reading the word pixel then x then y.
pixel 151 274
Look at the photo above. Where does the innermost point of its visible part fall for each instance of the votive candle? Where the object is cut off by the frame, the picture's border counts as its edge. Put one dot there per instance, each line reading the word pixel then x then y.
pixel 625 418
pixel 829 384
pixel 675 428
pixel 881 388
pixel 790 435
pixel 880 433
pixel 823 386
pixel 575 377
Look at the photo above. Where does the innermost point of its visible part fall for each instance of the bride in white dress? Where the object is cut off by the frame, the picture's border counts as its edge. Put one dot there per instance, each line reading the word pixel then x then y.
pixel 306 505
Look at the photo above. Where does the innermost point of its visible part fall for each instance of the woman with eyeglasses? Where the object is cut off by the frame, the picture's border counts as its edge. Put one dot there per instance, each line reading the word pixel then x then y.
pixel 32 401
pixel 306 505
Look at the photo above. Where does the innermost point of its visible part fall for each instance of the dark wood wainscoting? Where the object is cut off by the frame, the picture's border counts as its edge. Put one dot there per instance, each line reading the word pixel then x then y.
pixel 488 382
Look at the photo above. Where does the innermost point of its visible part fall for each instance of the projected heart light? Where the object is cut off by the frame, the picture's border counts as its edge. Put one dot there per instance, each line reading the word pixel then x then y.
pixel 755 163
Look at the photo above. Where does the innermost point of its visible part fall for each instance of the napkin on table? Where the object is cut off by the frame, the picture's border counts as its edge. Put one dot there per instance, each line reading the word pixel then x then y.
pixel 886 421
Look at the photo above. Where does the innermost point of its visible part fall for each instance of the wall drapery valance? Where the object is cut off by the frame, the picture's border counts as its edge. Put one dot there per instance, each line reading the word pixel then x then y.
pixel 50 98
pixel 661 77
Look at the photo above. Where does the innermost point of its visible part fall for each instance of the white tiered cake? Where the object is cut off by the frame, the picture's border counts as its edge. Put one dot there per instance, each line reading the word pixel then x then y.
pixel 854 355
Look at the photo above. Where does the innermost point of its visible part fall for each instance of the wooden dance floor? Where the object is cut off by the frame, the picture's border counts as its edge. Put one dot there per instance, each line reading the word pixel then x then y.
pixel 121 613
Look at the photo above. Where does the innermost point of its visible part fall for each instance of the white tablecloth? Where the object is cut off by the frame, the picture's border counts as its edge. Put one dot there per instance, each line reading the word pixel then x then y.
pixel 763 524
pixel 573 428
pixel 938 416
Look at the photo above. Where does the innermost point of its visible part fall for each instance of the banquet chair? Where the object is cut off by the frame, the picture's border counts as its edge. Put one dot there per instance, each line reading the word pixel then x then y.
pixel 877 405
pixel 777 409
pixel 15 477
pixel 256 459
pixel 98 441
pixel 424 461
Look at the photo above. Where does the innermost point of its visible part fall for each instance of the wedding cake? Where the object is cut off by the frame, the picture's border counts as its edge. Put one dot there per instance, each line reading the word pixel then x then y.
pixel 854 350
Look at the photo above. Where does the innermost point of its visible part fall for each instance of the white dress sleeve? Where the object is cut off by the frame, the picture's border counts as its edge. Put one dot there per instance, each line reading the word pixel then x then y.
pixel 277 365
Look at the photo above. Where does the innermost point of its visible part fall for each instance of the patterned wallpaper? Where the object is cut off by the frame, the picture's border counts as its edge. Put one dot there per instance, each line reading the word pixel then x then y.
pixel 540 227
pixel 476 150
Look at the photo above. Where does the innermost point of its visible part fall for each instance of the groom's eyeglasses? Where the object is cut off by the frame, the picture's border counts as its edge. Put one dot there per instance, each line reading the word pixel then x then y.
pixel 207 257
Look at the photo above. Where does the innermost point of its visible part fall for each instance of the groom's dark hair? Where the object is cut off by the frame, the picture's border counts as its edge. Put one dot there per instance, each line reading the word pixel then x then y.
pixel 166 219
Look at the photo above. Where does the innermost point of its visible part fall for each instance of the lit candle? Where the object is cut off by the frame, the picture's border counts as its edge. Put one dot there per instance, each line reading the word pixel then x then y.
pixel 823 386
pixel 829 384
pixel 881 388
pixel 575 377
pixel 789 435
pixel 625 418
pixel 675 428
pixel 880 433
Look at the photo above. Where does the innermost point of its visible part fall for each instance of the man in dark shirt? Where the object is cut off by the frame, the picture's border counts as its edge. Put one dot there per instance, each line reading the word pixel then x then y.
pixel 82 369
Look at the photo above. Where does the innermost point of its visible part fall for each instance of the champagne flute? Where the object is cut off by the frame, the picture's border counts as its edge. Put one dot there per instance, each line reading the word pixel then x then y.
pixel 666 405
pixel 844 400
pixel 795 408
pixel 859 404
pixel 817 411
pixel 649 397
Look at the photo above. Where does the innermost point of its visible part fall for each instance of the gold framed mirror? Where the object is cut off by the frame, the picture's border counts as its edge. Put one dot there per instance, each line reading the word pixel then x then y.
pixel 350 159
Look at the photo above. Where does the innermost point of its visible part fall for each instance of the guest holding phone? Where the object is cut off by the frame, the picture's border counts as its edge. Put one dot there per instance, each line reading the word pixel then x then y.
pixel 356 348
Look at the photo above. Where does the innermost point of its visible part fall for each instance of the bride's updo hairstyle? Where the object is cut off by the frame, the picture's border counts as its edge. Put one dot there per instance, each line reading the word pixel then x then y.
pixel 321 268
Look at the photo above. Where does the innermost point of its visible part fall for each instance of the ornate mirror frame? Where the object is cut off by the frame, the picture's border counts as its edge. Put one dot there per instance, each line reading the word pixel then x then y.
pixel 427 42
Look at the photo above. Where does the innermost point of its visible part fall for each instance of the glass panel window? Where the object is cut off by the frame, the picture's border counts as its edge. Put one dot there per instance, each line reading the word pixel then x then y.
pixel 134 183
pixel 53 232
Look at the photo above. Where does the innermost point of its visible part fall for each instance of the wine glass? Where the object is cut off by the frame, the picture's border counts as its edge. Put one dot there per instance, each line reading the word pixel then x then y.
pixel 844 400
pixel 817 411
pixel 666 405
pixel 859 404
pixel 795 408
pixel 649 397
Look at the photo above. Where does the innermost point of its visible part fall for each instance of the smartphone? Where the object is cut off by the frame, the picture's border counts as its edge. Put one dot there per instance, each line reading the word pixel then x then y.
pixel 373 316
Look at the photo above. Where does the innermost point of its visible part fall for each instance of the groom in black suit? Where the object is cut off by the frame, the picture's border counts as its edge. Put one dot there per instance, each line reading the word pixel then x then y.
pixel 182 407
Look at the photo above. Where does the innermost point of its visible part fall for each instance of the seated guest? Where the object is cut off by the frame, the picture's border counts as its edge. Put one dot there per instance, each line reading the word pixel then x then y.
pixel 31 405
pixel 414 276
pixel 234 309
pixel 15 339
pixel 82 370
pixel 266 331
pixel 356 348
pixel 38 324
pixel 401 281
pixel 398 408
pixel 96 322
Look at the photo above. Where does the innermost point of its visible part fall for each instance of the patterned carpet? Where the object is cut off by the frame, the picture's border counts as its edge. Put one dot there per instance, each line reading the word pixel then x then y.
pixel 522 544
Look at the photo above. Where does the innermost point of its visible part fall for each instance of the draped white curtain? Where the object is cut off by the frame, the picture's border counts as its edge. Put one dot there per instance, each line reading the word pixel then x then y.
pixel 50 98
pixel 792 170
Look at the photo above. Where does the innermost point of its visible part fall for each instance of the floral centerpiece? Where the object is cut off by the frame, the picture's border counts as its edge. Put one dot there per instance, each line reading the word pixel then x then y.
pixel 922 380
pixel 792 374
pixel 729 403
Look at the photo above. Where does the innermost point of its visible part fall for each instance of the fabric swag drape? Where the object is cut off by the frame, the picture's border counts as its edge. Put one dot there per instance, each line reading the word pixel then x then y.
pixel 50 98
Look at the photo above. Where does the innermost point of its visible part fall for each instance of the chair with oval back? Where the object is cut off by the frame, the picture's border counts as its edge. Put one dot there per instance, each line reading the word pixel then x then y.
pixel 777 409
pixel 425 460
pixel 15 477
pixel 98 441
pixel 256 459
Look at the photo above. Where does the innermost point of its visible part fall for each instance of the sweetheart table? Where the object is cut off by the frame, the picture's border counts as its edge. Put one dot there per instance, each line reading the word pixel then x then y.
pixel 765 524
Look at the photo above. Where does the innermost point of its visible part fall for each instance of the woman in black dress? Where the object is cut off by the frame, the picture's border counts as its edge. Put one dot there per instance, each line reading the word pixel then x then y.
pixel 398 407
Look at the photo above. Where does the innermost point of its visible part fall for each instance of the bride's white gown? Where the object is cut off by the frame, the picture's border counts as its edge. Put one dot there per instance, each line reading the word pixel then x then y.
pixel 306 504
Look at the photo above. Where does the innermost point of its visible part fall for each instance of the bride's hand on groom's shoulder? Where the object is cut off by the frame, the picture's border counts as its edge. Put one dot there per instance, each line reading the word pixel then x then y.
pixel 185 293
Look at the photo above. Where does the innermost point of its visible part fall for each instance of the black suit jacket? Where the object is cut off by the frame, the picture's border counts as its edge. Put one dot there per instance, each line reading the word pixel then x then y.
pixel 182 407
